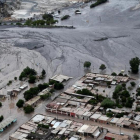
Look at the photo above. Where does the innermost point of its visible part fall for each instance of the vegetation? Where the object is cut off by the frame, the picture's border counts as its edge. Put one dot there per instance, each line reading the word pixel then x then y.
pixel 109 114
pixel 32 79
pixel 20 103
pixel 97 3
pixel 136 137
pixel 1 118
pixel 134 65
pixel 27 72
pixel 133 84
pixel 45 96
pixel 43 73
pixel 57 85
pixel 107 103
pixel 102 67
pixel 65 17
pixel 43 86
pixel 32 92
pixel 114 74
pixel 0 104
pixel 28 109
pixel 15 78
pixel 18 23
pixel 87 64
pixel 43 126
pixel 85 92
pixel 120 74
pixel 9 83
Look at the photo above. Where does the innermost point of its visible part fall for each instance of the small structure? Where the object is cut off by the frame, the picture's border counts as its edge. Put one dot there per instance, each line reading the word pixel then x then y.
pixel 33 101
pixel 60 78
pixel 23 87
pixel 6 123
pixel 110 136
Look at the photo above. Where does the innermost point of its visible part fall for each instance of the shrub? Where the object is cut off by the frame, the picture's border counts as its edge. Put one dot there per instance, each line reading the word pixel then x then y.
pixel 27 72
pixel 32 79
pixel 15 78
pixel 109 114
pixel 1 118
pixel 0 104
pixel 20 103
pixel 87 64
pixel 65 17
pixel 28 109
pixel 107 103
pixel 133 84
pixel 43 126
pixel 45 96
pixel 97 3
pixel 114 74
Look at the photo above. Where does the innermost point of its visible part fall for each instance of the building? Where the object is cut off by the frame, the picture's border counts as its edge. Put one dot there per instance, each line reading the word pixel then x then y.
pixel 60 78
pixel 7 122
pixel 33 102
pixel 111 136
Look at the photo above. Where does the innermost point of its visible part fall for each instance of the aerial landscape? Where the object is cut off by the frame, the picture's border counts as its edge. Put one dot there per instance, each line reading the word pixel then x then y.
pixel 69 69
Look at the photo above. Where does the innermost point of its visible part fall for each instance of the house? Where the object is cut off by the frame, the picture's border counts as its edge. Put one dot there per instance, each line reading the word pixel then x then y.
pixel 114 121
pixel 60 78
pixel 95 117
pixel 111 136
pixel 33 101
pixel 86 115
pixel 103 119
pixel 7 122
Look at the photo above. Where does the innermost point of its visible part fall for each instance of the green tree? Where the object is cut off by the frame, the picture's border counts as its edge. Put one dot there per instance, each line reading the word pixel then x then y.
pixel 0 104
pixel 20 103
pixel 134 64
pixel 133 84
pixel 32 79
pixel 102 67
pixel 87 64
pixel 1 118
pixel 43 86
pixel 135 136
pixel 107 103
pixel 58 86
pixel 15 78
pixel 28 109
pixel 114 74
pixel 43 72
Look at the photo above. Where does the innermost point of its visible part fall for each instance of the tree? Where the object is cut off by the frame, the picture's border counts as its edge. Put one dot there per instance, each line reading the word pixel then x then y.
pixel 135 136
pixel 102 67
pixel 32 79
pixel 20 103
pixel 134 65
pixel 0 104
pixel 114 74
pixel 1 118
pixel 43 72
pixel 43 86
pixel 15 78
pixel 58 86
pixel 107 103
pixel 87 64
pixel 133 84
pixel 28 109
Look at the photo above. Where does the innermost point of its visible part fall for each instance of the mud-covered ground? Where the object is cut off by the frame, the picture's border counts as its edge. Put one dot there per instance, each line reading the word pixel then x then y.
pixel 108 34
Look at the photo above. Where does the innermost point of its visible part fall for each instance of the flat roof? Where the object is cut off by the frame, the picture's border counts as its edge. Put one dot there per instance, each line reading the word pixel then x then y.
pixel 6 122
pixel 33 100
pixel 38 118
pixel 83 128
pixel 114 120
pixel 60 78
pixel 117 137
pixel 95 116
pixel 103 118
